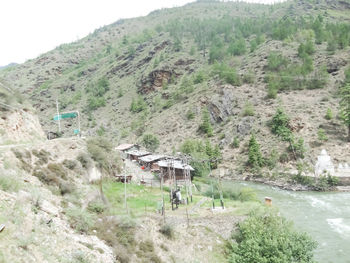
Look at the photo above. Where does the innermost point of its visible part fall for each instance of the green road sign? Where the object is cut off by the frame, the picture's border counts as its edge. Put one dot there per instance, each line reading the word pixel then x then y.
pixel 68 115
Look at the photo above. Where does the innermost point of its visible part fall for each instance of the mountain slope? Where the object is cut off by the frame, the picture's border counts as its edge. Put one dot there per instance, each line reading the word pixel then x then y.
pixel 156 74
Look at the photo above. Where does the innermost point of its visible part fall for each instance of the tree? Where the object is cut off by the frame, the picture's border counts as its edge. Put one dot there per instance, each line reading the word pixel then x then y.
pixel 150 141
pixel 255 159
pixel 280 125
pixel 345 106
pixel 205 126
pixel 268 237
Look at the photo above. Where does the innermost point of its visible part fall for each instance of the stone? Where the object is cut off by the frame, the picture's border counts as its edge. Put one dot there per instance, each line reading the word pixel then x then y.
pixel 245 125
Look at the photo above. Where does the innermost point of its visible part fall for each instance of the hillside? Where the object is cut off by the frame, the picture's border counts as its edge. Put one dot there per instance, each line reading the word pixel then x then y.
pixel 159 73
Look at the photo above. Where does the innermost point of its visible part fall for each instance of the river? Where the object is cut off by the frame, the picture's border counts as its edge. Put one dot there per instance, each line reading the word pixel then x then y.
pixel 324 215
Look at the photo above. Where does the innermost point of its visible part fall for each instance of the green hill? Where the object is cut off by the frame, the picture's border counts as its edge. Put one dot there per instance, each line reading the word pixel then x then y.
pixel 159 74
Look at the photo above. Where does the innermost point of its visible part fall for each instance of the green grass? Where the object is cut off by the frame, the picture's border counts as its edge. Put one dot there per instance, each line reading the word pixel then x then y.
pixel 138 197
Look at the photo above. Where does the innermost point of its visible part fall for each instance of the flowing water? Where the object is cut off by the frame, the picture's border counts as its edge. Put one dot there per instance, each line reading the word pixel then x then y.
pixel 325 216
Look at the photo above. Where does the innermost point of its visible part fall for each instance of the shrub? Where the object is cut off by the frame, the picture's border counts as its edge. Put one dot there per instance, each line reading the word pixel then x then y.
pixel 235 142
pixel 167 230
pixel 150 141
pixel 329 114
pixel 276 242
pixel 95 102
pixel 248 109
pixel 100 150
pixel 227 73
pixel 321 134
pixel 138 105
pixel 190 115
pixel 57 169
pixel 249 77
pixel 297 148
pixel 280 125
pixel 66 187
pixel 247 194
pixel 201 151
pixel 255 159
pixel 205 126
pixel 9 184
pixel 306 49
pixel 96 206
pixel 70 164
pixel 42 155
pixel 276 61
pixel 84 160
pixel 199 77
pixel 79 219
pixel 238 47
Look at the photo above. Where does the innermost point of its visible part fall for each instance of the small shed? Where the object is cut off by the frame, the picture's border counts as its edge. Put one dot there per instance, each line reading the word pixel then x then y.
pixel 127 147
pixel 150 162
pixel 136 154
pixel 180 168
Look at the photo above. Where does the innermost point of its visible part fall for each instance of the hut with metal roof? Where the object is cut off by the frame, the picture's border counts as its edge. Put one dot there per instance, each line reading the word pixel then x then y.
pixel 136 154
pixel 150 162
pixel 169 166
pixel 127 147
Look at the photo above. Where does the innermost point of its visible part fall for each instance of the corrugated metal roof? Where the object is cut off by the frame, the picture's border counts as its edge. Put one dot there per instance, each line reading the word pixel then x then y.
pixel 175 163
pixel 124 146
pixel 138 153
pixel 151 158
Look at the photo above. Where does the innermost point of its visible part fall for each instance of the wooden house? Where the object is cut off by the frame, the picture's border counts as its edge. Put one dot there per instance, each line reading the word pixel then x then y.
pixel 170 166
pixel 150 162
pixel 136 154
pixel 123 148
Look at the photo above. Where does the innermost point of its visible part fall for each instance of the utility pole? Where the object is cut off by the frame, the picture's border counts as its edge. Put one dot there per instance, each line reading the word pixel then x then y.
pixel 58 117
pixel 126 205
pixel 163 203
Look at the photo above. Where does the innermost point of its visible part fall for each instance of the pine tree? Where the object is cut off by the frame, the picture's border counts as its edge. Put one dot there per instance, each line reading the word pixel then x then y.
pixel 206 127
pixel 255 159
pixel 345 106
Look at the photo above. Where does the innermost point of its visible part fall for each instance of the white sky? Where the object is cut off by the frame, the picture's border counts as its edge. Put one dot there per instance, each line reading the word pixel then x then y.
pixel 29 28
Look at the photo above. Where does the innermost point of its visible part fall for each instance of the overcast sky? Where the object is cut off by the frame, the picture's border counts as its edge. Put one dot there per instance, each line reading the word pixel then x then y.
pixel 29 28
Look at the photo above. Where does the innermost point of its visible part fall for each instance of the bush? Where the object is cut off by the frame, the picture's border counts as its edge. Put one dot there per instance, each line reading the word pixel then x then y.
pixel 270 238
pixel 280 125
pixel 235 142
pixel 66 187
pixel 297 148
pixel 190 115
pixel 57 169
pixel 329 114
pixel 238 47
pixel 249 77
pixel 95 102
pixel 201 151
pixel 9 184
pixel 205 126
pixel 138 105
pixel 276 61
pixel 150 141
pixel 84 160
pixel 255 159
pixel 80 220
pixel 96 206
pixel 321 134
pixel 199 77
pixel 227 73
pixel 100 150
pixel 167 230
pixel 42 155
pixel 248 109
pixel 70 164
